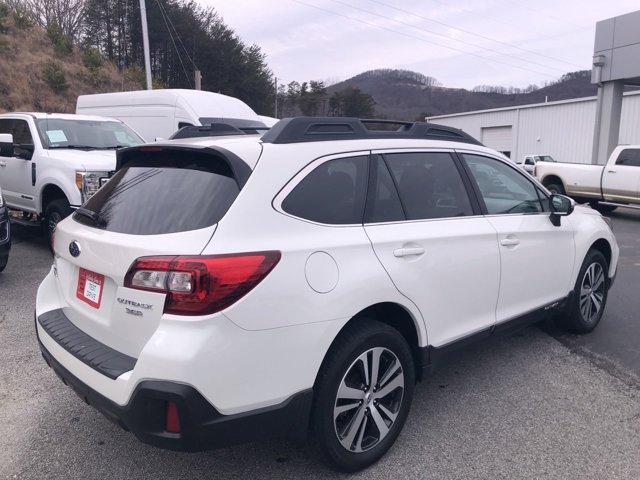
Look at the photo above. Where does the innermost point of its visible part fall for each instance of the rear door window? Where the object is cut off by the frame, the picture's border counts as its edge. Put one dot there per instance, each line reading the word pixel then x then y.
pixel 175 192
pixel 429 184
pixel 333 193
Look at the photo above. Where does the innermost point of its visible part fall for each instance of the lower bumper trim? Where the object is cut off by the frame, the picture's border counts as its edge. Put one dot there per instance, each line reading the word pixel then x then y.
pixel 202 426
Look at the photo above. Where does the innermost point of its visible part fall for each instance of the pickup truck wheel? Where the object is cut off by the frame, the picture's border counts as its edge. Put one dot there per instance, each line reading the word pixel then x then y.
pixel 555 188
pixel 363 395
pixel 589 297
pixel 55 211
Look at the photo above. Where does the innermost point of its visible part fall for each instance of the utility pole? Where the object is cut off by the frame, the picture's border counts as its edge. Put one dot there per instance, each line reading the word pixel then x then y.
pixel 276 104
pixel 145 44
pixel 198 80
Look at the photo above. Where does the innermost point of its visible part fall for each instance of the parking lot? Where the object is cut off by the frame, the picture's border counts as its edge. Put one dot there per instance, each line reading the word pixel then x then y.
pixel 535 405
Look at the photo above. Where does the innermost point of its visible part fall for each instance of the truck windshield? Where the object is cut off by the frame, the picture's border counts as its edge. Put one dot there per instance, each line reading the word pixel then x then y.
pixel 58 133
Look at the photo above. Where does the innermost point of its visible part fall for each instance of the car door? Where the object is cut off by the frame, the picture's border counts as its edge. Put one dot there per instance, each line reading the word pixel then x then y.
pixel 15 172
pixel 425 227
pixel 621 181
pixel 536 257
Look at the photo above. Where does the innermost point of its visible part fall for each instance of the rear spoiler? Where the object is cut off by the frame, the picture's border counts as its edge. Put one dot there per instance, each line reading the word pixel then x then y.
pixel 150 152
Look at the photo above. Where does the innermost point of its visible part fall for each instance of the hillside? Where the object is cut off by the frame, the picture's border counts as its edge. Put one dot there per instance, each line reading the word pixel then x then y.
pixel 409 95
pixel 40 71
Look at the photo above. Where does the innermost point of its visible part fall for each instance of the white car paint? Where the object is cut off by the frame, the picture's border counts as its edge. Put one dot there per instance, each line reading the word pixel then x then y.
pixel 456 278
pixel 613 182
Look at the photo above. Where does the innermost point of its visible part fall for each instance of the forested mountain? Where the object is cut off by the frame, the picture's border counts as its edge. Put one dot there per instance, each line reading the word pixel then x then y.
pixel 183 36
pixel 401 94
pixel 54 50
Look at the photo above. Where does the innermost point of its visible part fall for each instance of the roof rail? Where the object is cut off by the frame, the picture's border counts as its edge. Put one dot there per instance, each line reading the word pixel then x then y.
pixel 320 129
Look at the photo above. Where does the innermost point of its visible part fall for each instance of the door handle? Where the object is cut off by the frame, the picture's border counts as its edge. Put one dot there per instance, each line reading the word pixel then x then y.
pixel 509 242
pixel 408 251
pixel 611 171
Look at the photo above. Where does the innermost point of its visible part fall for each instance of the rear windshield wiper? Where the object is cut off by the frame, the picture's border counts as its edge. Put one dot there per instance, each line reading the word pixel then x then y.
pixel 90 214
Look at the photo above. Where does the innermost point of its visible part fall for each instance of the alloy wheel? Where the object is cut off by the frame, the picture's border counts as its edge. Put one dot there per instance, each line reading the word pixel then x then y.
pixel 592 292
pixel 368 399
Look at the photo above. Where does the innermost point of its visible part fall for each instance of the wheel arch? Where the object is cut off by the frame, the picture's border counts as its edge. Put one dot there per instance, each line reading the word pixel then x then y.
pixel 396 316
pixel 51 192
pixel 552 178
pixel 604 247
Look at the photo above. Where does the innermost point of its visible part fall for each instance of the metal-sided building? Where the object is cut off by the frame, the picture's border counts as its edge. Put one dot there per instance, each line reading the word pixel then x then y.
pixel 563 129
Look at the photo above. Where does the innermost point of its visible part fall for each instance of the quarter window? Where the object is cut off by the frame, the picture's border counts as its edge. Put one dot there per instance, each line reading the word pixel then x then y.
pixel 504 189
pixel 332 193
pixel 629 157
pixel 429 185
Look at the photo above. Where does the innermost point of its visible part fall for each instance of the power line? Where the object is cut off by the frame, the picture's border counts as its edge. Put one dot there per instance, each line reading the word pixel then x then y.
pixel 182 44
pixel 473 33
pixel 163 15
pixel 447 37
pixel 422 39
pixel 545 14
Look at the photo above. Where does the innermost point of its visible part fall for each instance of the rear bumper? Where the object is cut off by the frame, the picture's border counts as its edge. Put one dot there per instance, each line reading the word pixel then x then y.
pixel 202 427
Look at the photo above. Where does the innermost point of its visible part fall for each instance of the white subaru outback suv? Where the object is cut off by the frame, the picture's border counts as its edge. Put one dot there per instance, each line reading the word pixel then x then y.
pixel 224 290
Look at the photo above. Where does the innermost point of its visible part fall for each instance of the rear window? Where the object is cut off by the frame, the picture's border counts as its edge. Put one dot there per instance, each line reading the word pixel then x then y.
pixel 163 195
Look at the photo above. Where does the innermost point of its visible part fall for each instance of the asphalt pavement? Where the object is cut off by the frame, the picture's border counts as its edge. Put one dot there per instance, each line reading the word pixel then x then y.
pixel 539 404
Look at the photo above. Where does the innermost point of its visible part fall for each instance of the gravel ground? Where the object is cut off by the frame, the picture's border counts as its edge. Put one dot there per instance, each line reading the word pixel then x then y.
pixel 526 406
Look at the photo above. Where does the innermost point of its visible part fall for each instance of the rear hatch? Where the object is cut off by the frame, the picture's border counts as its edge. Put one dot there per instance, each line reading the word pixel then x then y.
pixel 161 201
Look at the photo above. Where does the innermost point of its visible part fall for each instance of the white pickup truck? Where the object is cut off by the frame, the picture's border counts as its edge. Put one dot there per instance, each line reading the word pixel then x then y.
pixel 51 164
pixel 616 184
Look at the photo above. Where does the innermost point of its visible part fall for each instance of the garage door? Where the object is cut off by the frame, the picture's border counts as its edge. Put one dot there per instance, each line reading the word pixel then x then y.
pixel 498 138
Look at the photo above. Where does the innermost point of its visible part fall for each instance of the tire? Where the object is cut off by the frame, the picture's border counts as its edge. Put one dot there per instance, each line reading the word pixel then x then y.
pixel 389 402
pixel 54 212
pixel 555 188
pixel 583 313
pixel 3 263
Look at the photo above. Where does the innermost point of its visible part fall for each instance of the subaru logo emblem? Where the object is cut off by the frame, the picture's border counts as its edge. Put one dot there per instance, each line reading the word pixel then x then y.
pixel 74 249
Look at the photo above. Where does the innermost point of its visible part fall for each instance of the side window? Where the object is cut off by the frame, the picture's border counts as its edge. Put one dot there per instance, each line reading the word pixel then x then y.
pixel 6 125
pixel 528 161
pixel 333 193
pixel 21 133
pixel 383 203
pixel 504 189
pixel 184 124
pixel 429 184
pixel 629 157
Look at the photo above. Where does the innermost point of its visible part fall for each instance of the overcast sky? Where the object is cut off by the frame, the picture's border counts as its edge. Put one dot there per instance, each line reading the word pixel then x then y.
pixel 461 43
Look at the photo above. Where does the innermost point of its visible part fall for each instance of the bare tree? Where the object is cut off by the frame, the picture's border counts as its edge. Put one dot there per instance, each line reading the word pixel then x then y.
pixel 67 15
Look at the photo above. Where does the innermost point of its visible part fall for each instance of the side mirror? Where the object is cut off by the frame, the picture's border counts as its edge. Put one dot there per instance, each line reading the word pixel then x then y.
pixel 24 152
pixel 6 145
pixel 560 206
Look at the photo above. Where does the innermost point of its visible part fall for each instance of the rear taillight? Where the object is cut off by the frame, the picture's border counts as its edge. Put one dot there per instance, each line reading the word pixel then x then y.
pixel 535 171
pixel 201 284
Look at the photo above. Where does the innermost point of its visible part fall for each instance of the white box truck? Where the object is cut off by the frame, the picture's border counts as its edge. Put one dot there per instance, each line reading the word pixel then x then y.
pixel 160 113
